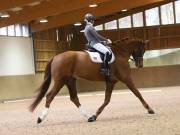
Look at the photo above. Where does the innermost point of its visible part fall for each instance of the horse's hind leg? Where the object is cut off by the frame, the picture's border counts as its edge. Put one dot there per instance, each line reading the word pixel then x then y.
pixel 108 93
pixel 71 85
pixel 50 96
pixel 132 87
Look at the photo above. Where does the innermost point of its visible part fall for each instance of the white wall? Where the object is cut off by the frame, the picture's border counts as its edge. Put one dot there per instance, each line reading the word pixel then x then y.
pixel 16 56
pixel 163 57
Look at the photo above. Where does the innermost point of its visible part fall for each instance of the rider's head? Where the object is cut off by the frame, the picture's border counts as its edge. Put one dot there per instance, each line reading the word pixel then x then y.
pixel 89 18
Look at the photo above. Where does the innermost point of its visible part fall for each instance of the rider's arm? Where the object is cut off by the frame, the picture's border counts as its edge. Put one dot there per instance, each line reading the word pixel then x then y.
pixel 96 35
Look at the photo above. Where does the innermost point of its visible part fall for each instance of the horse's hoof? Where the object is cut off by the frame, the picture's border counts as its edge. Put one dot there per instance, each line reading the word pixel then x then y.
pixel 92 118
pixel 151 111
pixel 39 120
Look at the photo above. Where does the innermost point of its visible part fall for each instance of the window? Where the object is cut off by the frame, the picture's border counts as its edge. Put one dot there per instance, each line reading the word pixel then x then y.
pixel 111 25
pixel 57 35
pixel 177 9
pixel 152 17
pixel 167 15
pixel 25 30
pixel 18 30
pixel 138 20
pixel 99 27
pixel 3 31
pixel 11 30
pixel 15 30
pixel 125 22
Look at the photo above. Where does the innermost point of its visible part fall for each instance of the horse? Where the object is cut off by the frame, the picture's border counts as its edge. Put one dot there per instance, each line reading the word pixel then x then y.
pixel 66 67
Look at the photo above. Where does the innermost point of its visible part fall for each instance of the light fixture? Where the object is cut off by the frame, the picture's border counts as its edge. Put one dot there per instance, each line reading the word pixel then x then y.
pixel 34 3
pixel 93 5
pixel 77 24
pixel 124 10
pixel 16 9
pixel 5 15
pixel 43 21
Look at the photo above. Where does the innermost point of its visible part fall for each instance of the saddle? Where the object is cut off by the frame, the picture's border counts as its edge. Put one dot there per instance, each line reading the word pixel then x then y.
pixel 97 57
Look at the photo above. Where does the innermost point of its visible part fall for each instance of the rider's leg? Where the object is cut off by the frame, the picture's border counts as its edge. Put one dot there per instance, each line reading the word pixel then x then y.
pixel 105 61
pixel 103 49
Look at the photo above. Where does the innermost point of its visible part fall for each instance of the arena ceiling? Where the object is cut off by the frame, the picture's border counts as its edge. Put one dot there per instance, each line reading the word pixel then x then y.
pixel 60 12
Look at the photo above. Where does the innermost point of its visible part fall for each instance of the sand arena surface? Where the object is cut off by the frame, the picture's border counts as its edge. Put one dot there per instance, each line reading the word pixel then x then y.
pixel 123 116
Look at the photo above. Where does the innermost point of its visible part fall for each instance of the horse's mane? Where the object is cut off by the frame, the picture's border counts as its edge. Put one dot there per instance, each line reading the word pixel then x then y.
pixel 123 44
pixel 126 39
pixel 120 42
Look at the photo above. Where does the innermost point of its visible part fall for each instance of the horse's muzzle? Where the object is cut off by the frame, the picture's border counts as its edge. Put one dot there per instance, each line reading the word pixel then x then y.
pixel 139 63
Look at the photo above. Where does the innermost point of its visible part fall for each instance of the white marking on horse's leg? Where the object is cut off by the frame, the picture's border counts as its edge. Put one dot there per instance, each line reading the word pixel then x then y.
pixel 44 113
pixel 84 112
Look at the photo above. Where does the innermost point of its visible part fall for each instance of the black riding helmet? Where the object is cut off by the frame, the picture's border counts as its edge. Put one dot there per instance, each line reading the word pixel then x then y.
pixel 88 17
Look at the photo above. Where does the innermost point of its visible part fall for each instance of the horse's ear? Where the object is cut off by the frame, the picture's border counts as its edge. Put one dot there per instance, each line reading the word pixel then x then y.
pixel 146 42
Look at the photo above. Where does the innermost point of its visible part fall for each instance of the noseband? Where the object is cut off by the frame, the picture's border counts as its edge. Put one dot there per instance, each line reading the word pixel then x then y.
pixel 139 56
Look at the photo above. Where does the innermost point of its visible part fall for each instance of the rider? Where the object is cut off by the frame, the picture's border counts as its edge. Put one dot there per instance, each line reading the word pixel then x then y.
pixel 97 42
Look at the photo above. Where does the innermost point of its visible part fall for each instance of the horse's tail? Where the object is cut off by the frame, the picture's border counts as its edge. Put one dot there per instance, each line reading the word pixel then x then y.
pixel 43 88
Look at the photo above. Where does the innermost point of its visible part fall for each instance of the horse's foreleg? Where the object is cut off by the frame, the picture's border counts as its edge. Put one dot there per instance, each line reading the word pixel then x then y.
pixel 50 96
pixel 71 85
pixel 132 87
pixel 108 93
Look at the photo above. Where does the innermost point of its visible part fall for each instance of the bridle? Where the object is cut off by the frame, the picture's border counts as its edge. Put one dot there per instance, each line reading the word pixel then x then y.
pixel 140 55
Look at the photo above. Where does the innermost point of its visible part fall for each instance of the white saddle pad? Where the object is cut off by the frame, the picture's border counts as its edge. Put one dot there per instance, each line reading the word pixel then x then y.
pixel 95 57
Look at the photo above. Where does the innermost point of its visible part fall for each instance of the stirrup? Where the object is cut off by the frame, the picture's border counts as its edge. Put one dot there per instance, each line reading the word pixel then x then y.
pixel 105 71
pixel 108 73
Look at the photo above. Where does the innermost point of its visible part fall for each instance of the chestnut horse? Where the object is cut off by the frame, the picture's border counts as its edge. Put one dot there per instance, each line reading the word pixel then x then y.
pixel 64 68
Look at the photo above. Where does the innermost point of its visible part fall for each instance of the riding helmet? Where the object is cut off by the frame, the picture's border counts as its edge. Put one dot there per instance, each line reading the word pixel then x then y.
pixel 88 17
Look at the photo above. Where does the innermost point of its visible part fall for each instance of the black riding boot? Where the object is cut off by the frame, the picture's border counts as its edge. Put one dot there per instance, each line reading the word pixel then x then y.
pixel 105 70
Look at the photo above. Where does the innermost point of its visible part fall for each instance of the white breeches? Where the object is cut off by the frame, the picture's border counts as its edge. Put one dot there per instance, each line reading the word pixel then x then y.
pixel 101 48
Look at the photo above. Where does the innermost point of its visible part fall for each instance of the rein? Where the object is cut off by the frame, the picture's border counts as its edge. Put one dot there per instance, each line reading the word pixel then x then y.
pixel 132 59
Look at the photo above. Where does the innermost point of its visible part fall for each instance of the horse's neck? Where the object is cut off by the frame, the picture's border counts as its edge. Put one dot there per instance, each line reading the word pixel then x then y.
pixel 123 48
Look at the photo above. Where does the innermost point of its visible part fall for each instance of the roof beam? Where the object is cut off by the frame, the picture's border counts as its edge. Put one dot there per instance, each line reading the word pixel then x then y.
pixel 102 10
pixel 45 9
pixel 8 4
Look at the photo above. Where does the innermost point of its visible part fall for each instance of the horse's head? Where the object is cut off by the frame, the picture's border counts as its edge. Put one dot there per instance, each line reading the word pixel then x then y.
pixel 138 52
pixel 134 47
